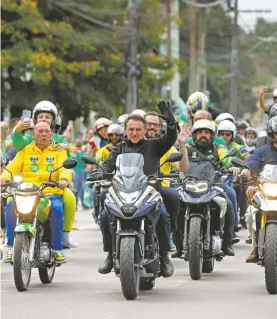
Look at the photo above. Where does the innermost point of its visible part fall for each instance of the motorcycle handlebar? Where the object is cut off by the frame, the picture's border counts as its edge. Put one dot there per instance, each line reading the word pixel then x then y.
pixel 51 184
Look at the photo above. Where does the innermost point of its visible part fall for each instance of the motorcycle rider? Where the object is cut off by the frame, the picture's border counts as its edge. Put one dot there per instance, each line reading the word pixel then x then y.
pixel 34 165
pixel 152 150
pixel 170 196
pixel 196 101
pixel 261 101
pixel 266 154
pixel 46 111
pixel 203 133
pixel 250 137
pixel 263 138
pixel 115 135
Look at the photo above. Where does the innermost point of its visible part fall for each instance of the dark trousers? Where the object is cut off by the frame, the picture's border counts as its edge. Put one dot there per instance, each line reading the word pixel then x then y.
pixel 172 204
pixel 162 226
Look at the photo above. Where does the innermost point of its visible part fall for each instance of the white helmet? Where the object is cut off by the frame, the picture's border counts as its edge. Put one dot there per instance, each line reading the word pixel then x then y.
pixel 47 107
pixel 227 125
pixel 197 101
pixel 274 94
pixel 115 129
pixel 224 116
pixel 121 119
pixel 203 125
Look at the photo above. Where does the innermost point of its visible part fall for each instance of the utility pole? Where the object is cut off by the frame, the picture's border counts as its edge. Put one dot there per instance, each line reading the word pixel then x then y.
pixel 192 47
pixel 133 70
pixel 168 39
pixel 234 63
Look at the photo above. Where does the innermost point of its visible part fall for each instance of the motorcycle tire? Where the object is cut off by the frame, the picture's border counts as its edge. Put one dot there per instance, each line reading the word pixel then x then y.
pixel 148 285
pixel 46 274
pixel 21 266
pixel 129 267
pixel 270 258
pixel 195 248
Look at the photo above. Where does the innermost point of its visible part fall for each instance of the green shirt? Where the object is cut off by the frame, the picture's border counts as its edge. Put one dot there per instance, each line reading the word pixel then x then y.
pixel 217 141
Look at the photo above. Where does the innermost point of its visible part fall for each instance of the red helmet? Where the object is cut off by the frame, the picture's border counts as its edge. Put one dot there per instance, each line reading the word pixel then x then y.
pixel 102 122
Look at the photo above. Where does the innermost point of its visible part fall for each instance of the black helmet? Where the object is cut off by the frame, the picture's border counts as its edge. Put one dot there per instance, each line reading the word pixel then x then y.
pixel 273 111
pixel 250 130
pixel 271 129
pixel 242 125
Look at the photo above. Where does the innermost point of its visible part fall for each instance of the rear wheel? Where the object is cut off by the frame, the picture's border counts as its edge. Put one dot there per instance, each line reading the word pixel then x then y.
pixel 195 247
pixel 21 263
pixel 270 258
pixel 46 274
pixel 129 267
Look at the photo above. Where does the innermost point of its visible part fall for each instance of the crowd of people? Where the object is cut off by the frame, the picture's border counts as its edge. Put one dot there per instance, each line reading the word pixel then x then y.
pixel 33 147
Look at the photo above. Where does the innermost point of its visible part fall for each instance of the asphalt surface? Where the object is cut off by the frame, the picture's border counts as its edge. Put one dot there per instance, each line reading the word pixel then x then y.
pixel 235 290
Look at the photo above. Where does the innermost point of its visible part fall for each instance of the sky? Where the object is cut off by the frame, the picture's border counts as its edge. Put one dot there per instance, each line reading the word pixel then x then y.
pixel 249 19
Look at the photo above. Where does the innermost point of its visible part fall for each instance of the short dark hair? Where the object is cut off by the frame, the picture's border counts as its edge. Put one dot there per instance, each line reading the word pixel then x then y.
pixel 134 117
pixel 153 113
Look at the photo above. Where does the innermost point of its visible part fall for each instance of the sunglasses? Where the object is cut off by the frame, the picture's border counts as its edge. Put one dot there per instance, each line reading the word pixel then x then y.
pixel 148 124
pixel 113 134
pixel 225 134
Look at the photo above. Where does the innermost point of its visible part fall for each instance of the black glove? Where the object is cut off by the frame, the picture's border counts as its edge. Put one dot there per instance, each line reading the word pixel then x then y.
pixel 166 112
pixel 96 176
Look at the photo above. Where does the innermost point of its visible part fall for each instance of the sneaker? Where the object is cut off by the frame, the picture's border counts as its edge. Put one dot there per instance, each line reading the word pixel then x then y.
pixel 167 269
pixel 172 246
pixel 9 255
pixel 253 257
pixel 68 242
pixel 107 266
pixel 248 240
pixel 59 257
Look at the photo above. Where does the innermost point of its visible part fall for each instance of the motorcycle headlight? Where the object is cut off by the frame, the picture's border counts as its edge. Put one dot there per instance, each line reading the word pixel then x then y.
pixel 24 204
pixel 196 187
pixel 270 189
pixel 129 198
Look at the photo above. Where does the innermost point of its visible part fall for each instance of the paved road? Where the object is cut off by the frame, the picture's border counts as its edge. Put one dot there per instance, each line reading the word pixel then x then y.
pixel 234 290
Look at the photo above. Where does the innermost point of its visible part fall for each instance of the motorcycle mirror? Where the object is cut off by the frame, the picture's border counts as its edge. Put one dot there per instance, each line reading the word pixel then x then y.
pixel 173 157
pixel 69 163
pixel 109 148
pixel 88 159
pixel 238 163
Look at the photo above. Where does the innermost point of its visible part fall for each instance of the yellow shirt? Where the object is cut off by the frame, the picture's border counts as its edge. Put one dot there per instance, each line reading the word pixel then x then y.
pixel 103 154
pixel 167 167
pixel 35 167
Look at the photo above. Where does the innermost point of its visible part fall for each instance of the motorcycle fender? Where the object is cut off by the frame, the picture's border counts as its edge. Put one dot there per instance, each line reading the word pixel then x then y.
pixel 24 228
pixel 261 242
pixel 126 234
pixel 268 205
pixel 197 215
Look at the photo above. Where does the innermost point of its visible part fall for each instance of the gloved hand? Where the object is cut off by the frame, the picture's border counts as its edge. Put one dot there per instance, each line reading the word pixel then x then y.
pixel 96 176
pixel 166 112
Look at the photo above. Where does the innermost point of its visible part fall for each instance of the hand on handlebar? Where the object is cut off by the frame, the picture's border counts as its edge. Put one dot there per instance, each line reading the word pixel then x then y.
pixel 96 176
pixel 235 171
pixel 4 182
pixel 63 183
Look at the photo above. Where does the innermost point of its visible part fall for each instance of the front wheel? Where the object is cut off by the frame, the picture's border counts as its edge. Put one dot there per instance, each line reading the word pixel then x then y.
pixel 129 267
pixel 21 264
pixel 270 258
pixel 46 274
pixel 195 247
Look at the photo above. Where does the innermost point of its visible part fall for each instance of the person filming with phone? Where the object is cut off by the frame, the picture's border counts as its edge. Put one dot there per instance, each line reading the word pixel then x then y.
pixel 261 100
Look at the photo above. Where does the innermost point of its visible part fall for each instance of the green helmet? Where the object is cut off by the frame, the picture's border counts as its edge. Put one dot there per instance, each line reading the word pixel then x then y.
pixel 46 107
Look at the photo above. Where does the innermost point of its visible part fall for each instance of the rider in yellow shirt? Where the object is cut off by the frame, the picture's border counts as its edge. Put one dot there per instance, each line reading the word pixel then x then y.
pixel 35 162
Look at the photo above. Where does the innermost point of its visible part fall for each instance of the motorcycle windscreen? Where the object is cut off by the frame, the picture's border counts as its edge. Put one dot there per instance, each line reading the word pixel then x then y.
pixel 129 168
pixel 269 173
pixel 201 170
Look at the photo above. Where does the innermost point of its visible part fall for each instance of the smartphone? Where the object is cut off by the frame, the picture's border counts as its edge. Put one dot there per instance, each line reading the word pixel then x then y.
pixel 26 114
pixel 269 90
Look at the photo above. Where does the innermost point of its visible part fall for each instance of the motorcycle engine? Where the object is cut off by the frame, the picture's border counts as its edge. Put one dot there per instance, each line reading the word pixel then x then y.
pixel 45 252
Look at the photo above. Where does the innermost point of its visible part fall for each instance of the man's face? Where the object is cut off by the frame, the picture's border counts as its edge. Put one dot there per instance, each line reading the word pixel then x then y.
pixel 45 117
pixel 250 137
pixel 226 135
pixel 241 131
pixel 114 138
pixel 135 131
pixel 42 135
pixel 200 115
pixel 153 126
pixel 203 135
pixel 103 132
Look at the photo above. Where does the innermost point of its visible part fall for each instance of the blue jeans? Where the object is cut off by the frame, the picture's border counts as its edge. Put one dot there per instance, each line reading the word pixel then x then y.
pixel 79 184
pixel 56 221
pixel 232 196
